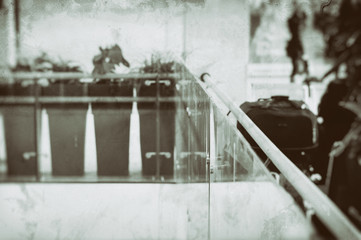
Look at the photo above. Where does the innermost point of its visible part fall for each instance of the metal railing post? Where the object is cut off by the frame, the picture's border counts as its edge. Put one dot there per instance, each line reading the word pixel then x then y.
pixel 157 135
pixel 36 128
pixel 209 170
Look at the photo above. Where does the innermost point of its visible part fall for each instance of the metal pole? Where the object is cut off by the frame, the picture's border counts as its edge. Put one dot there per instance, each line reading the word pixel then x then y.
pixel 157 140
pixel 36 129
pixel 208 154
pixel 184 55
pixel 234 161
pixel 17 28
pixel 190 166
pixel 190 135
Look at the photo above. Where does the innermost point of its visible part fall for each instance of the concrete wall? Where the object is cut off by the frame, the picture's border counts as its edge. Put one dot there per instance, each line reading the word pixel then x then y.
pixel 214 35
pixel 7 34
pixel 218 43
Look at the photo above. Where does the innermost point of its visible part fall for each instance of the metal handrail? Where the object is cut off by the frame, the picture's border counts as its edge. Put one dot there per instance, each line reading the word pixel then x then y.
pixel 75 75
pixel 324 208
pixel 85 99
pixel 22 76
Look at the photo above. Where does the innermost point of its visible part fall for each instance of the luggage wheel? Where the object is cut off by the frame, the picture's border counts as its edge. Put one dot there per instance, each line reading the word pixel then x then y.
pixel 310 211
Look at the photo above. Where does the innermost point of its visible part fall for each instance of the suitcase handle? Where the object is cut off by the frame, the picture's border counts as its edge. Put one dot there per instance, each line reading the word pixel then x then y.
pixel 276 98
pixel 280 98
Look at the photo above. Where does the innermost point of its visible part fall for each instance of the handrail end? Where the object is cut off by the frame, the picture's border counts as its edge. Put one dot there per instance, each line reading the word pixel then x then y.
pixel 203 75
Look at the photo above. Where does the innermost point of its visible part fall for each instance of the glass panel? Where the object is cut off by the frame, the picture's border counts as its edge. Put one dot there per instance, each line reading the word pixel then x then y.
pixel 191 146
pixel 234 159
pixel 93 129
pixel 87 135
pixel 246 200
pixel 192 133
pixel 67 116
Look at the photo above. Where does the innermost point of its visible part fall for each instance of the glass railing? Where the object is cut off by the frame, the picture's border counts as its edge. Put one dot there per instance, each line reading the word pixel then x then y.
pixel 138 127
pixel 160 128
pixel 54 129
pixel 321 211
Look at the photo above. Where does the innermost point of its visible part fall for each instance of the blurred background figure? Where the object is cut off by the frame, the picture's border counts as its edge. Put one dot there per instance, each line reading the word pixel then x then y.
pixel 294 47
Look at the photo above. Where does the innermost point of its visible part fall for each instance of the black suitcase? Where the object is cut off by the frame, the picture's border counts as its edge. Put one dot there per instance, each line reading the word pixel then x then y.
pixel 289 124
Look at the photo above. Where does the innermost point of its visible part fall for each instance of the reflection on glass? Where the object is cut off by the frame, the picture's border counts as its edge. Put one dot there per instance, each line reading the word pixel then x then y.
pixel 183 135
